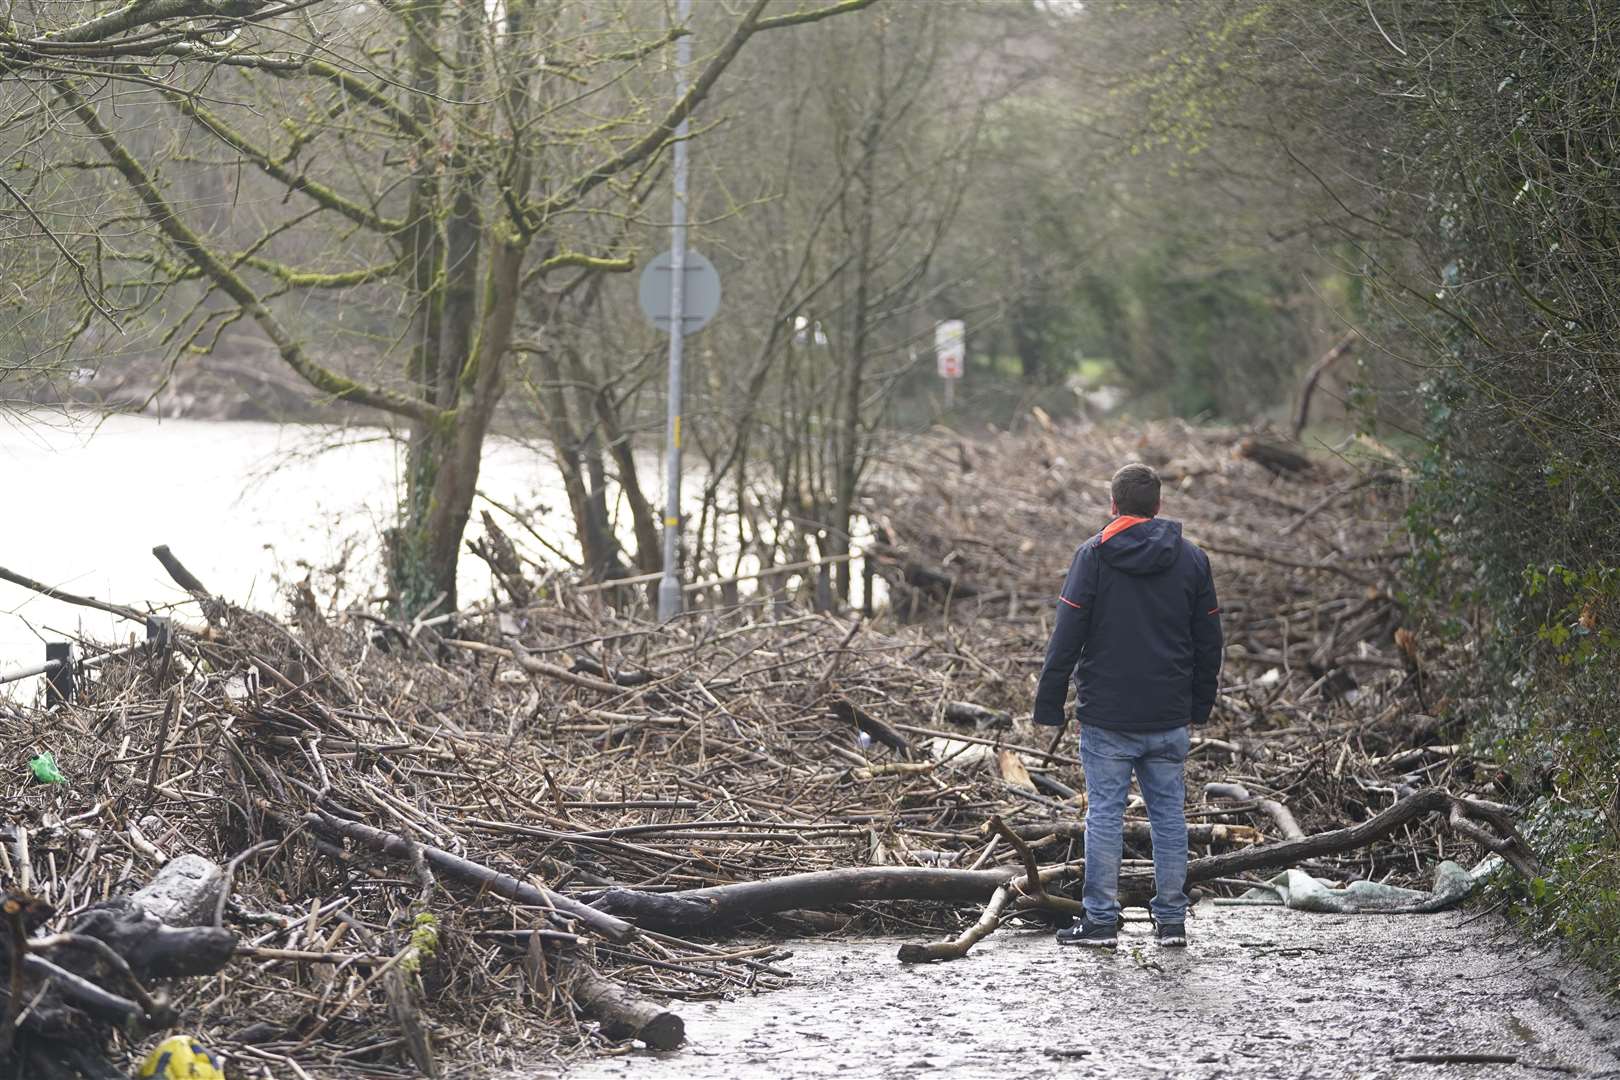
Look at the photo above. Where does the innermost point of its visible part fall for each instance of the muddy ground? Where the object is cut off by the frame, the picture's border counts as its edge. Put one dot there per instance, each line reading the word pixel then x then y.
pixel 1263 993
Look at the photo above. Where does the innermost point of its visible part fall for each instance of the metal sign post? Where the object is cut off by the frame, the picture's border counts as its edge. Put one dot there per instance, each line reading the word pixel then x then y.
pixel 680 323
pixel 950 348
pixel 682 303
pixel 669 587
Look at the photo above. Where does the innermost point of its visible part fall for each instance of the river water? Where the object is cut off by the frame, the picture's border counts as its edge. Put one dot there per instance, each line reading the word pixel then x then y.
pixel 244 505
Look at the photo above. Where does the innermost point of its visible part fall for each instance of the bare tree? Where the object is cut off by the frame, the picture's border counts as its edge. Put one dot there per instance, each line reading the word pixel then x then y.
pixel 57 286
pixel 443 156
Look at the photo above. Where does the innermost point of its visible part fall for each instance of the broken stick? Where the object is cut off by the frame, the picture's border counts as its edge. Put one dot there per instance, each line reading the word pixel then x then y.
pixel 500 884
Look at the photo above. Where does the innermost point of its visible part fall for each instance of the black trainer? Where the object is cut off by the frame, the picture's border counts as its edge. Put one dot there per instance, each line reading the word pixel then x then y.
pixel 1086 932
pixel 1171 934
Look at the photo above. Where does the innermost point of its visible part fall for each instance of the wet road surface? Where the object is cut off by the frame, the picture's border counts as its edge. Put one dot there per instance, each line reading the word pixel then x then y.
pixel 1263 993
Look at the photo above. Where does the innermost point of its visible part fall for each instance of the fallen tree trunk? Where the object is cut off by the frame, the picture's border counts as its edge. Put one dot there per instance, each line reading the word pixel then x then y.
pixel 720 907
pixel 1335 841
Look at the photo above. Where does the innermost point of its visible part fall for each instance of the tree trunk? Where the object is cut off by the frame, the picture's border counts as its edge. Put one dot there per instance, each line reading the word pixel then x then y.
pixel 598 548
pixel 481 380
pixel 649 550
pixel 1027 343
pixel 851 450
pixel 411 588
pixel 643 518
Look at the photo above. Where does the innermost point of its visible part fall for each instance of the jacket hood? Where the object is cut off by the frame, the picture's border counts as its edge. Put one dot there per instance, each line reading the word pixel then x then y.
pixel 1140 545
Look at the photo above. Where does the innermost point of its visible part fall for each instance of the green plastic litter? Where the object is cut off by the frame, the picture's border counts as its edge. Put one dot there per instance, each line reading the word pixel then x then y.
pixel 45 770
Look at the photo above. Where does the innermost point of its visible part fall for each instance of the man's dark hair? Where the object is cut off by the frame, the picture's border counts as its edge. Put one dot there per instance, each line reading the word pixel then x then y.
pixel 1136 490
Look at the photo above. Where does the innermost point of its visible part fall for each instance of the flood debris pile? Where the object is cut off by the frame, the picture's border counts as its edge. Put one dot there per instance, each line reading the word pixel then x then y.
pixel 542 829
pixel 1327 701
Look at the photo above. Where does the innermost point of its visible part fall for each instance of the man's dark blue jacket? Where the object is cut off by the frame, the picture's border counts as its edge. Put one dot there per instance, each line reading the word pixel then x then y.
pixel 1138 629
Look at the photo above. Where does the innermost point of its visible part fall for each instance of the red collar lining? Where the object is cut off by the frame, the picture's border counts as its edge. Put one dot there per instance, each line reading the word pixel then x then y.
pixel 1119 525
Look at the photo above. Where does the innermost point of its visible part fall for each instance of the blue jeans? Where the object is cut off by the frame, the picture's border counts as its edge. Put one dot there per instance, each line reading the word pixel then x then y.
pixel 1159 759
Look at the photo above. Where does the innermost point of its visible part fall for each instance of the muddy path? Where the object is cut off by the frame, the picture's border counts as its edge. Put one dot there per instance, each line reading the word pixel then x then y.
pixel 1263 993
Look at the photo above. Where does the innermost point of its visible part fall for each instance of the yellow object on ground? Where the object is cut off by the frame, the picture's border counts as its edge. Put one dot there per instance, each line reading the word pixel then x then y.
pixel 180 1057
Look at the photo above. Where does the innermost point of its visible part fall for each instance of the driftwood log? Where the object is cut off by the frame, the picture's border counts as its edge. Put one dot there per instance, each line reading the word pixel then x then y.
pixel 1279 459
pixel 621 1012
pixel 719 908
pixel 81 984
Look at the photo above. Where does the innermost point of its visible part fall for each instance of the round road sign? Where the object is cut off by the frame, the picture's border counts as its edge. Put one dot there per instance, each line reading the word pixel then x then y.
pixel 702 297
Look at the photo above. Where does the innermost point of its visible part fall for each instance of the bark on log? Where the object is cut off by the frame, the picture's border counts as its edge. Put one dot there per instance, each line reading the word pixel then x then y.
pixel 1464 813
pixel 182 577
pixel 1291 852
pixel 667 912
pixel 623 1013
pixel 154 950
pixel 1380 825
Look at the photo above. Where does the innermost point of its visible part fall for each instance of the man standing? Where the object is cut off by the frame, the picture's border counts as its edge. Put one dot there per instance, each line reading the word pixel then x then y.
pixel 1139 631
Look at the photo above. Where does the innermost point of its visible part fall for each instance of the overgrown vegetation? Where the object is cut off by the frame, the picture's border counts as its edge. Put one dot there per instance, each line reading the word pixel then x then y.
pixel 1510 124
pixel 1468 151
